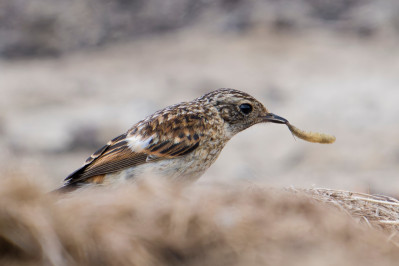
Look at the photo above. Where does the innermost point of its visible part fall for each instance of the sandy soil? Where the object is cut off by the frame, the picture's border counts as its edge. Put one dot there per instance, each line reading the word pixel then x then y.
pixel 55 112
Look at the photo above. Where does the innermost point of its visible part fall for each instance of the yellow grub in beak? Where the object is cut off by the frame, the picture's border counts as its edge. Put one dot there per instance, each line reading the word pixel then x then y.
pixel 311 136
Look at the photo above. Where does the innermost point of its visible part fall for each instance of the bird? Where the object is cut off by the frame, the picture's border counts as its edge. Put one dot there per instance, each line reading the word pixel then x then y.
pixel 179 142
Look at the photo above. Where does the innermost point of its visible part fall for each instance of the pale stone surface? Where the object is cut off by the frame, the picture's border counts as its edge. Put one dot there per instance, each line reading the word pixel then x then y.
pixel 55 112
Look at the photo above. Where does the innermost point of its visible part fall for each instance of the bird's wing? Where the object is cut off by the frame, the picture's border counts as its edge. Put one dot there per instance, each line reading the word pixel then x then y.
pixel 140 145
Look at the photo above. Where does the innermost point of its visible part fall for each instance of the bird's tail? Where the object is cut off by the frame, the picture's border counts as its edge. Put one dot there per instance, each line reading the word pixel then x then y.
pixel 65 189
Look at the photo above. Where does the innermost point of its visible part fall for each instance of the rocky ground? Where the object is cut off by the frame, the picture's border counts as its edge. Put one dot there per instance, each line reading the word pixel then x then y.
pixel 56 111
pixel 325 66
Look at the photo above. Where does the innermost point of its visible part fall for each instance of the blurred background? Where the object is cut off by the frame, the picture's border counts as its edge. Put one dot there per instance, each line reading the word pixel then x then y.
pixel 74 74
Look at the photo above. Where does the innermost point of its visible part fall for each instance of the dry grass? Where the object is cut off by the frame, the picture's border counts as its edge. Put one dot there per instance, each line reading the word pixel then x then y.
pixel 377 211
pixel 155 223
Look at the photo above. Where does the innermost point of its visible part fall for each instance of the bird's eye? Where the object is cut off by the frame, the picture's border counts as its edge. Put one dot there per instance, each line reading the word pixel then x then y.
pixel 246 108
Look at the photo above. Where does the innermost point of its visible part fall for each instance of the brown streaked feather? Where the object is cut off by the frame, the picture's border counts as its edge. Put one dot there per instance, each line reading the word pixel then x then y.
pixel 115 162
pixel 169 139
pixel 167 148
pixel 110 161
pixel 110 146
pixel 98 179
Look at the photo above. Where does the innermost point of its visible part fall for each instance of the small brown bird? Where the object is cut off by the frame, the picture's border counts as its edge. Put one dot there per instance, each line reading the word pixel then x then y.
pixel 179 142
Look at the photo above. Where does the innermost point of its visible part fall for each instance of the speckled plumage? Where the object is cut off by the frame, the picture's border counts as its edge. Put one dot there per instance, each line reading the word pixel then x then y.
pixel 179 142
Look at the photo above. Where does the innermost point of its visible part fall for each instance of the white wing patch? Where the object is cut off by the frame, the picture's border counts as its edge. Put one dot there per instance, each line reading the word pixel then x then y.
pixel 138 144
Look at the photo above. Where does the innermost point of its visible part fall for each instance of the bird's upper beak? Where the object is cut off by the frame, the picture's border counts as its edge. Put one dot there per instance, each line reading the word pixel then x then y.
pixel 274 119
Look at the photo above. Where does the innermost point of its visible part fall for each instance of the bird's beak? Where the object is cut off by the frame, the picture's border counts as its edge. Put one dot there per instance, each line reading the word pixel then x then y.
pixel 274 119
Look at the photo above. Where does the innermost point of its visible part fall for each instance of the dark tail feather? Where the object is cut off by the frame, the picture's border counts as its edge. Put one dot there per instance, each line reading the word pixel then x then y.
pixel 70 181
pixel 65 189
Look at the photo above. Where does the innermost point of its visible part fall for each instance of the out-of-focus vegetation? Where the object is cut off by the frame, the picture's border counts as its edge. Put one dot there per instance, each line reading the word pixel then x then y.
pixel 156 223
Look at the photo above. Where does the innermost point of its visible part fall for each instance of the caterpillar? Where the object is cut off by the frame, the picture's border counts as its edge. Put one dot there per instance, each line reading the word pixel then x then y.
pixel 311 136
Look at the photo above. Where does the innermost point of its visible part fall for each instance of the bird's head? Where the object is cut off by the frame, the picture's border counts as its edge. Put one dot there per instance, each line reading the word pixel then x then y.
pixel 239 110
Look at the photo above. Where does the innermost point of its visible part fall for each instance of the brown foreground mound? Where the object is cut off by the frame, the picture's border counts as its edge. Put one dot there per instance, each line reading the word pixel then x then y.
pixel 156 223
